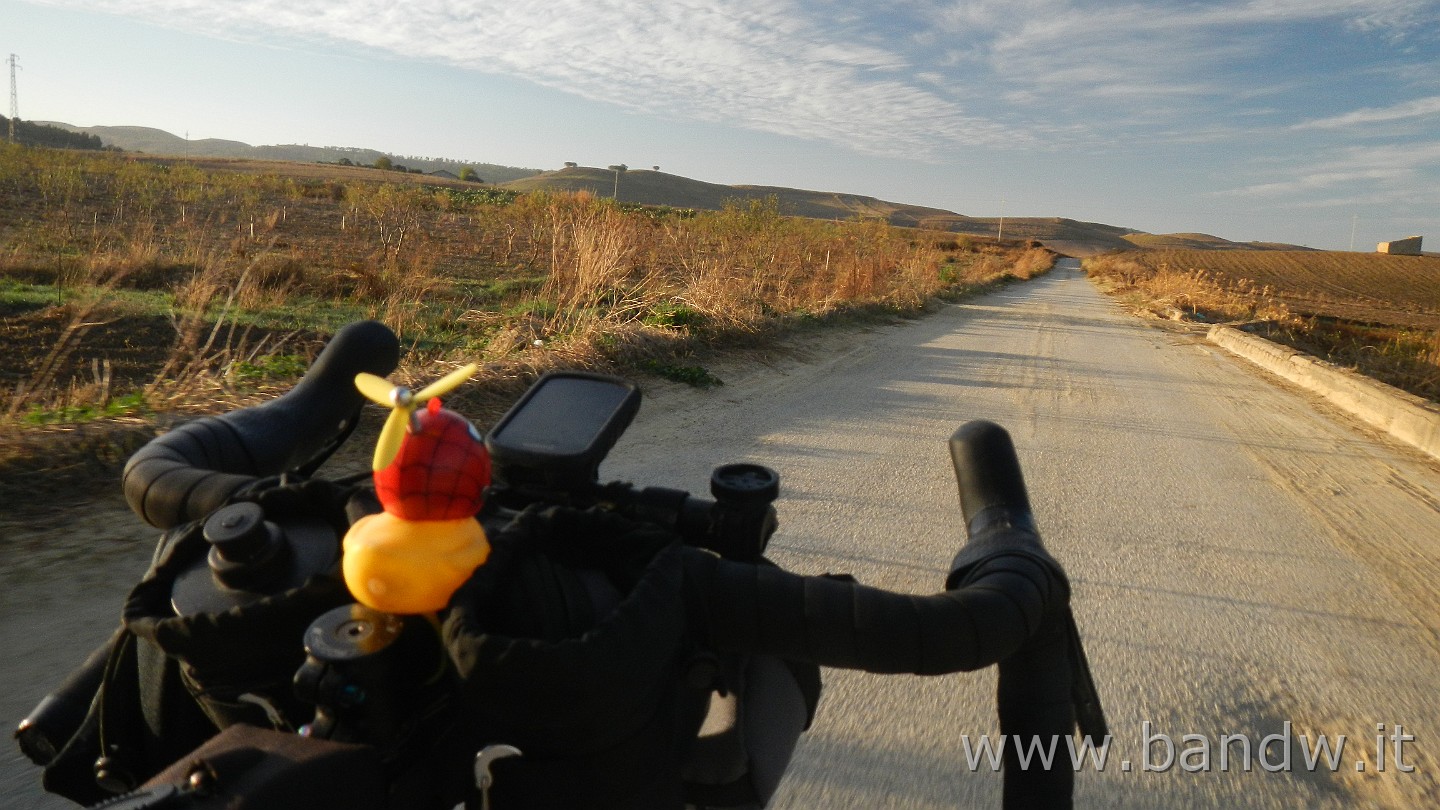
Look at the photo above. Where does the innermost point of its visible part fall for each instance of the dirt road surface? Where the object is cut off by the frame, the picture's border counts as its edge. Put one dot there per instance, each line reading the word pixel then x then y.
pixel 1245 562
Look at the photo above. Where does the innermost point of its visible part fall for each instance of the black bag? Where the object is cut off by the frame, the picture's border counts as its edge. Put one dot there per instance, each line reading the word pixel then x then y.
pixel 171 682
pixel 248 768
pixel 574 647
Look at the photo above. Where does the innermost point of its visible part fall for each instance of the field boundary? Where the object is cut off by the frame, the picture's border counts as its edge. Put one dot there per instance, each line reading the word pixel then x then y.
pixel 1403 415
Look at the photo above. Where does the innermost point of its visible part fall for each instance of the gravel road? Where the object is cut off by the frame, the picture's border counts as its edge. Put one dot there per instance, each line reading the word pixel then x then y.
pixel 1241 556
pixel 1243 559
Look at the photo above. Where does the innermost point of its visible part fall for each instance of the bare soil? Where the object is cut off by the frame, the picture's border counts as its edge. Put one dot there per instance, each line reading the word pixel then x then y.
pixel 1367 288
pixel 136 347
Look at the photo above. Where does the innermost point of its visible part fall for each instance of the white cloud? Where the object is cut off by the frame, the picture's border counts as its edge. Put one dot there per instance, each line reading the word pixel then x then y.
pixel 773 68
pixel 1415 108
pixel 915 78
pixel 1393 171
pixel 1152 49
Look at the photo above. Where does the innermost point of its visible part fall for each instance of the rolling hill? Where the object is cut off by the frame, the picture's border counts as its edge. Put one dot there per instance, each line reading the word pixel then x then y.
pixel 1200 241
pixel 654 187
pixel 651 187
pixel 159 142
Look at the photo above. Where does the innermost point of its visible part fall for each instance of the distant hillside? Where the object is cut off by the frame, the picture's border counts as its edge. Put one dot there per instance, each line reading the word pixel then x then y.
pixel 654 187
pixel 159 142
pixel 1199 241
pixel 651 187
pixel 1059 233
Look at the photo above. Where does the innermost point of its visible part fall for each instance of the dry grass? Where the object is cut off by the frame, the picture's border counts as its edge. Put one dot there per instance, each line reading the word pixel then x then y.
pixel 1169 290
pixel 168 283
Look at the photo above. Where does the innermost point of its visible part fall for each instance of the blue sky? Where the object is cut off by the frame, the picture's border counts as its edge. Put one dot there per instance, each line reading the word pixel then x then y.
pixel 1315 122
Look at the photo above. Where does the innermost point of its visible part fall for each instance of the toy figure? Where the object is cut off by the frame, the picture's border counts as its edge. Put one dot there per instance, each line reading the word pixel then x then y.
pixel 431 471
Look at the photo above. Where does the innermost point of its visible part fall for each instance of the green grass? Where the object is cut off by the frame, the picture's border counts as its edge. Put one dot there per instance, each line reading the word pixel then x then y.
pixel 270 367
pixel 129 301
pixel 131 404
pixel 696 376
pixel 673 315
pixel 312 313
pixel 496 290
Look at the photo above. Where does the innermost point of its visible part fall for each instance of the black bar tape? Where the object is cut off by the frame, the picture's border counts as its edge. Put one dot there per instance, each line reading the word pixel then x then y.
pixel 836 623
pixel 194 469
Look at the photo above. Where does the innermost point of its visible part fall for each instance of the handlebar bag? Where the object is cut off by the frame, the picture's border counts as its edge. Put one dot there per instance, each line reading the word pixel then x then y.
pixel 248 768
pixel 238 665
pixel 574 645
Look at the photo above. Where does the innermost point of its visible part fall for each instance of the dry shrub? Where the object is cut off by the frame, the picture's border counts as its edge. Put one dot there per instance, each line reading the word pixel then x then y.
pixel 82 314
pixel 746 265
pixel 1033 262
pixel 1119 269
pixel 91 304
pixel 597 267
pixel 391 214
pixel 1164 289
pixel 209 340
pixel 411 284
pixel 273 279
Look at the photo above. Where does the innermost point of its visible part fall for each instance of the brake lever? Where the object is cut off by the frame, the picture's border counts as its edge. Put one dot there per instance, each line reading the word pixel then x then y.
pixel 484 780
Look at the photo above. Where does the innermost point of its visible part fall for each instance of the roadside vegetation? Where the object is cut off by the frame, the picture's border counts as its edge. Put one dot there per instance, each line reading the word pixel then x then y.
pixel 1375 313
pixel 135 289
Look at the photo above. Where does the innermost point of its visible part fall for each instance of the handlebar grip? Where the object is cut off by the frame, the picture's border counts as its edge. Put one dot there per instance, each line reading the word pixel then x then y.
pixel 992 487
pixel 194 469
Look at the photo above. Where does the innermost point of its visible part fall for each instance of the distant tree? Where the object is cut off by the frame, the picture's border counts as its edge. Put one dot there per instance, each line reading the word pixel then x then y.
pixel 570 164
pixel 31 134
pixel 468 175
pixel 656 168
pixel 618 169
pixel 344 162
pixel 384 163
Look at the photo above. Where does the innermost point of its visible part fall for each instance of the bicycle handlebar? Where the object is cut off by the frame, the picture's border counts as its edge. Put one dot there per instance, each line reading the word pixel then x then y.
pixel 1005 601
pixel 189 472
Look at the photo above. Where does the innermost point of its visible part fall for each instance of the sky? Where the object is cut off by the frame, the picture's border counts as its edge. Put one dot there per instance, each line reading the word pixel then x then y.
pixel 1312 122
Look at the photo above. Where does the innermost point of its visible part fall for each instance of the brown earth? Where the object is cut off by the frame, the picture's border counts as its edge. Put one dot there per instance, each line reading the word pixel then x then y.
pixel 1368 288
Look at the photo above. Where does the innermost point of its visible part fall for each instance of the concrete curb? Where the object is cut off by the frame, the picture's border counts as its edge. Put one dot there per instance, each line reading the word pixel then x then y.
pixel 1403 415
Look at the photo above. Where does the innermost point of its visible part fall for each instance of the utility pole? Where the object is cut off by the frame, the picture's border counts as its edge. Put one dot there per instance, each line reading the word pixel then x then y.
pixel 1000 234
pixel 14 97
pixel 1354 219
pixel 618 169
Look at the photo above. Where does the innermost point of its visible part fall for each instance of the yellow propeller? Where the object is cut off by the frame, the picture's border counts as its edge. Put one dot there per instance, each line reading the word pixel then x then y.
pixel 402 402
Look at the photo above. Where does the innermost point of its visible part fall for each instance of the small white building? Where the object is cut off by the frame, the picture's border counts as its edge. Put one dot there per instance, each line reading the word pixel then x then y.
pixel 1409 246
